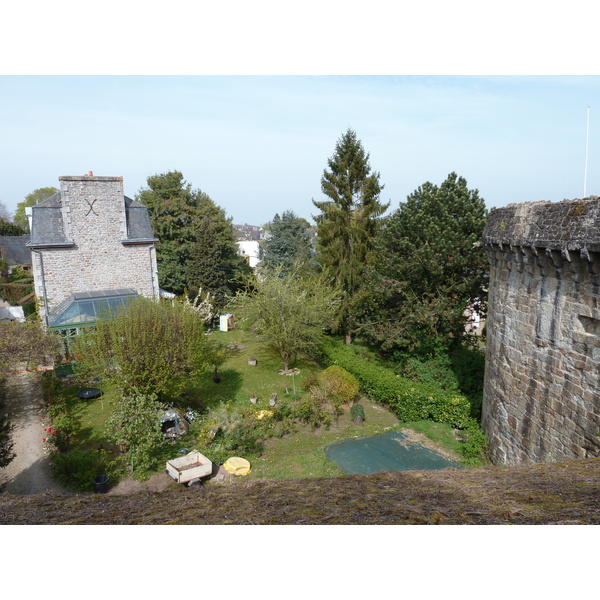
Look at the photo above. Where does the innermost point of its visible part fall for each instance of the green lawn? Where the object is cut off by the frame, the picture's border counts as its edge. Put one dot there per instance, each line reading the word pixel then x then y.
pixel 302 452
pixel 299 453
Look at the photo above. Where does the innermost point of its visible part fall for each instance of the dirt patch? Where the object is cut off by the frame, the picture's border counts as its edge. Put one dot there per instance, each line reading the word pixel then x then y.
pixel 419 438
pixel 156 483
pixel 159 482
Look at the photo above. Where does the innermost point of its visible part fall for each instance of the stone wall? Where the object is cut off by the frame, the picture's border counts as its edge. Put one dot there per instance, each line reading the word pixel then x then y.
pixel 97 253
pixel 542 386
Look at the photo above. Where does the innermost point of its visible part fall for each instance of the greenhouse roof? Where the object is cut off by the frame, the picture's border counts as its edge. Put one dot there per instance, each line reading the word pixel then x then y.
pixel 84 308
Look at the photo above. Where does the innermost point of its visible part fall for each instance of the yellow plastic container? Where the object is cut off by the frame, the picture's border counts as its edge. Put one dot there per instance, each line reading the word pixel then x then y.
pixel 237 466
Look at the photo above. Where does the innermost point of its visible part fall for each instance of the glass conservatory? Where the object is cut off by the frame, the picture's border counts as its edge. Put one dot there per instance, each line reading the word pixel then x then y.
pixel 83 309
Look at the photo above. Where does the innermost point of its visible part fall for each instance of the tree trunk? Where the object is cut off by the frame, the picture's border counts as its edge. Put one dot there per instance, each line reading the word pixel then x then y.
pixel 348 339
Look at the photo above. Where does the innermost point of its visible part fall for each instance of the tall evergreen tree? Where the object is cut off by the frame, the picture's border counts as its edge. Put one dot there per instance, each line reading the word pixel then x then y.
pixel 430 267
pixel 288 243
pixel 197 245
pixel 348 223
pixel 214 263
pixel 174 214
pixel 171 205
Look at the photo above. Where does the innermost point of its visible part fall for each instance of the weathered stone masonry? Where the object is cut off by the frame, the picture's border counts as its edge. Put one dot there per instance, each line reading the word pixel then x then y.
pixel 542 385
pixel 89 236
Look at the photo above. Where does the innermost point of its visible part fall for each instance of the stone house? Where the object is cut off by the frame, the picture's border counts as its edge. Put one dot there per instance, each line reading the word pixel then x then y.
pixel 92 247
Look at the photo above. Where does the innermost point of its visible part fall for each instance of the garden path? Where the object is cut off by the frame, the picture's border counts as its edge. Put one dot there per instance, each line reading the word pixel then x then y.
pixel 29 471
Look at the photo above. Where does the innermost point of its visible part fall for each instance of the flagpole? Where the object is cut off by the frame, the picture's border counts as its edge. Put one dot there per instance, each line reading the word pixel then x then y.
pixel 587 137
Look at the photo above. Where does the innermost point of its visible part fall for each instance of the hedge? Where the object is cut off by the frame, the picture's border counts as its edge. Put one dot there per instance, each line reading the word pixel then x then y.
pixel 411 401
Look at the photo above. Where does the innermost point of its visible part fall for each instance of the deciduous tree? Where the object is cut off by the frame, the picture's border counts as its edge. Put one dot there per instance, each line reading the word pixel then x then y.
pixel 348 222
pixel 32 199
pixel 4 212
pixel 289 311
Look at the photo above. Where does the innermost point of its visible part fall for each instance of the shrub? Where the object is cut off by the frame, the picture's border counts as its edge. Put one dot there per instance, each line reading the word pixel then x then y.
pixel 474 447
pixel 134 425
pixel 283 411
pixel 147 347
pixel 77 468
pixel 411 401
pixel 436 371
pixel 357 412
pixel 224 432
pixel 309 410
pixel 340 384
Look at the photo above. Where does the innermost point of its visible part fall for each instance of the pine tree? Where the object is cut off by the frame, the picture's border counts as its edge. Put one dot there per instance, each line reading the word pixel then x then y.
pixel 348 222
pixel 430 267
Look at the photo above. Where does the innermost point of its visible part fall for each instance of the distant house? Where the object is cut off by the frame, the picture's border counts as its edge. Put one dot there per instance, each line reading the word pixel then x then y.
pixel 14 250
pixel 250 250
pixel 248 241
pixel 92 248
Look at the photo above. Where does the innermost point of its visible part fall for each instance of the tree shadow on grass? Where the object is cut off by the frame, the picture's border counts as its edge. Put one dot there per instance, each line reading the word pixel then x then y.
pixel 204 393
pixel 468 366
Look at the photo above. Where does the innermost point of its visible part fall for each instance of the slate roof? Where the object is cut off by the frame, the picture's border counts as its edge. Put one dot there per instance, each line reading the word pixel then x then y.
pixel 139 229
pixel 47 225
pixel 13 249
pixel 48 229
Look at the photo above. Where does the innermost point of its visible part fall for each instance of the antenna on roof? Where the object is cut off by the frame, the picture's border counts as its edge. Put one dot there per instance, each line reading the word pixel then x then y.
pixel 587 133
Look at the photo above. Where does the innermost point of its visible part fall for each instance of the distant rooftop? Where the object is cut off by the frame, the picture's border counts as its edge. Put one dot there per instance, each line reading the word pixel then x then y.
pixel 14 250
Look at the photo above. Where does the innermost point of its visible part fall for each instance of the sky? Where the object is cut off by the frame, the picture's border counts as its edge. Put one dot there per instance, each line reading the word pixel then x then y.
pixel 258 144
pixel 248 100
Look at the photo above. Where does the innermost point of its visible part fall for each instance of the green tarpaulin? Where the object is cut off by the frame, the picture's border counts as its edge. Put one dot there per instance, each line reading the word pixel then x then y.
pixel 391 451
